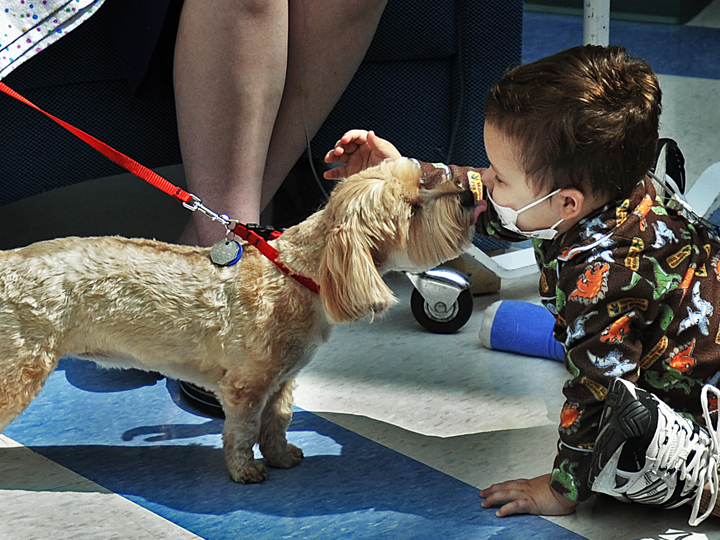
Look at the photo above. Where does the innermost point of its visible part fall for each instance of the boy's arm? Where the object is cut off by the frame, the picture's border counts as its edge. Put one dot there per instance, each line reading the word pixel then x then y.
pixel 359 149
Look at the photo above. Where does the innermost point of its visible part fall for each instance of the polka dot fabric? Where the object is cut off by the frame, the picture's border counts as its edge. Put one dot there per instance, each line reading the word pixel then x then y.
pixel 29 26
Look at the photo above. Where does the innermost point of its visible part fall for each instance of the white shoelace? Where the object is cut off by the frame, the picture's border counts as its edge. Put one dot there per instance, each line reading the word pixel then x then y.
pixel 680 441
pixel 709 473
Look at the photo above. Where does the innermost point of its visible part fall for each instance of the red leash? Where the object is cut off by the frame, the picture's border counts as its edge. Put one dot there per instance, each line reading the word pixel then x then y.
pixel 190 201
pixel 112 154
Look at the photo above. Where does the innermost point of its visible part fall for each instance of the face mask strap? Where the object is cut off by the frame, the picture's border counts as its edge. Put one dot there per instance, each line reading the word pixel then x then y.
pixel 535 203
pixel 509 218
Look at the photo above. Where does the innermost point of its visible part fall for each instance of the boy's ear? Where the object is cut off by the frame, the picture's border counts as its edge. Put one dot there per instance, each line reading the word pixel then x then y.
pixel 574 204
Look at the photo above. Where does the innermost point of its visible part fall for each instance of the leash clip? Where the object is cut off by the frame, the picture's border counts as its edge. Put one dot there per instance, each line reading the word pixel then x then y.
pixel 196 204
pixel 230 229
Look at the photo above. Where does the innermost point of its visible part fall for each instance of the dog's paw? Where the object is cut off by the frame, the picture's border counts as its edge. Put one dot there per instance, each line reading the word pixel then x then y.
pixel 253 472
pixel 290 458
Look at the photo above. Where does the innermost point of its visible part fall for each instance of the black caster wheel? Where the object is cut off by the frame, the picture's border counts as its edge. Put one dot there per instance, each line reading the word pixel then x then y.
pixel 441 318
pixel 203 399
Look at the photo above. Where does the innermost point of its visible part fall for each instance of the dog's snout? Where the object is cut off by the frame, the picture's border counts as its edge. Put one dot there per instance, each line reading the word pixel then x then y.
pixel 467 199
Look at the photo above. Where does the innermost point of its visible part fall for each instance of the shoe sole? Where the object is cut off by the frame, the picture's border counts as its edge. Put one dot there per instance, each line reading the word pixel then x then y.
pixel 623 418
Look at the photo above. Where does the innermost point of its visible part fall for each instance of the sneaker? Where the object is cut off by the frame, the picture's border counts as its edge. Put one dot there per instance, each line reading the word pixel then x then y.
pixel 647 453
pixel 669 160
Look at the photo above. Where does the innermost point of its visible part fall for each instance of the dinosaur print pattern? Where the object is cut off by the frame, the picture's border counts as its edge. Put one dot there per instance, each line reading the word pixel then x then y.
pixel 697 318
pixel 662 235
pixel 715 262
pixel 613 364
pixel 677 370
pixel 577 331
pixel 681 358
pixel 564 476
pixel 616 332
pixel 592 285
pixel 570 414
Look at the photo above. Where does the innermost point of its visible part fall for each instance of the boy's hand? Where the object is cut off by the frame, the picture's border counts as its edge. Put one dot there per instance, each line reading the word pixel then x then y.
pixel 522 496
pixel 358 149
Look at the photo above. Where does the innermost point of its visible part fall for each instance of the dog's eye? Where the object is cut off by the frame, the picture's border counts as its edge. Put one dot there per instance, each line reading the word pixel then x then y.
pixel 416 207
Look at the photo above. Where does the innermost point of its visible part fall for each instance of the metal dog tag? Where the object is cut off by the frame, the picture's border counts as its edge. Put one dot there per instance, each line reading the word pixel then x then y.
pixel 226 252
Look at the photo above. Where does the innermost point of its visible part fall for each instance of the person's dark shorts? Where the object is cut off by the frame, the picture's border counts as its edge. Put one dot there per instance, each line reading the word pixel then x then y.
pixel 143 33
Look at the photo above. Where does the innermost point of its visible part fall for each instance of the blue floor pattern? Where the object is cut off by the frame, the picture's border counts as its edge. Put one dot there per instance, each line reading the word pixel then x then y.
pixel 139 439
pixel 687 51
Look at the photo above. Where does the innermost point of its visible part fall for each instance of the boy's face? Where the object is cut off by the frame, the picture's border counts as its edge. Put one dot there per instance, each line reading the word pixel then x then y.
pixel 508 186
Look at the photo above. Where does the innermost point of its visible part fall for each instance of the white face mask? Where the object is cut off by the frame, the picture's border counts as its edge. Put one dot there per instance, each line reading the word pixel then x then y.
pixel 508 218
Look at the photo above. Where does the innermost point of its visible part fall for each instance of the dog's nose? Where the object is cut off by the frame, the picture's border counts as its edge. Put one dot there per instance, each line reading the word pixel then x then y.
pixel 467 199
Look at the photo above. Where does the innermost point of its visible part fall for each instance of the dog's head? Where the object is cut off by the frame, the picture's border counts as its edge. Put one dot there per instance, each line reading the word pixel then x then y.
pixel 383 219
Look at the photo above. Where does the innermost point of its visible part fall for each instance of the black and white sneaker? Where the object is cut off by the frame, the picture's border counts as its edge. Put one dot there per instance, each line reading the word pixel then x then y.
pixel 669 160
pixel 647 453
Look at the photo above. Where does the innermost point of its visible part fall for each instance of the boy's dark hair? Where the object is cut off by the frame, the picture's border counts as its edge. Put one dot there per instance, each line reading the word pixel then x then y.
pixel 585 118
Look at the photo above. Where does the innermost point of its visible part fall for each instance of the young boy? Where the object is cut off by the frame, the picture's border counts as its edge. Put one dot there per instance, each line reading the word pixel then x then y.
pixel 630 277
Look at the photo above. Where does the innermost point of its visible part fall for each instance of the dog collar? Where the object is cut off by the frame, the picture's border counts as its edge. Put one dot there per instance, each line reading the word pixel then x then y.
pixel 476 185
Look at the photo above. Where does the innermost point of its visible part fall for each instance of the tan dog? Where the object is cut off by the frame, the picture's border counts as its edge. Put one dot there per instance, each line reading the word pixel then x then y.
pixel 243 331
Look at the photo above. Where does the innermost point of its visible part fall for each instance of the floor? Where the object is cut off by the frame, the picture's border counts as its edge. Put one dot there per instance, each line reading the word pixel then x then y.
pixel 399 427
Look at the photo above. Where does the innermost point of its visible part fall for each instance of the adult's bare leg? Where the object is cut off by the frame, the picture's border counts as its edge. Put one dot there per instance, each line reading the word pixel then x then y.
pixel 240 131
pixel 230 66
pixel 328 40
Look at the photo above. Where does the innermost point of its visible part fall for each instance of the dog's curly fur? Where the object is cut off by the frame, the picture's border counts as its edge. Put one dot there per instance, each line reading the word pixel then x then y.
pixel 243 331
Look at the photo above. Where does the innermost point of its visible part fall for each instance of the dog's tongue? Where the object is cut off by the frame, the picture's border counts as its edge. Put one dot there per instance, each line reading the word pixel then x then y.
pixel 480 207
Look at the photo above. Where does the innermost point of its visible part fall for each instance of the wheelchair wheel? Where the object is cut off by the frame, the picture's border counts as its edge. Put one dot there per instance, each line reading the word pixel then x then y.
pixel 440 318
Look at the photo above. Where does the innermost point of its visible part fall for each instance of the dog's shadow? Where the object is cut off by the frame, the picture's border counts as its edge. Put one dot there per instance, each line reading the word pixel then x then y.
pixel 342 472
pixel 193 478
pixel 90 377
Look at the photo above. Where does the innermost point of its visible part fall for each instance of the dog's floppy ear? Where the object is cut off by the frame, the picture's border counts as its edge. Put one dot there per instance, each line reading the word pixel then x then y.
pixel 350 285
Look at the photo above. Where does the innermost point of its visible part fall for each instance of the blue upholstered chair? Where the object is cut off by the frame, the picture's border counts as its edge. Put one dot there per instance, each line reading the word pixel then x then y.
pixel 424 79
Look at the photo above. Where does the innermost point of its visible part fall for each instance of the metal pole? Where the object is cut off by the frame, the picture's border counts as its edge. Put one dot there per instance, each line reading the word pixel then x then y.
pixel 596 25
